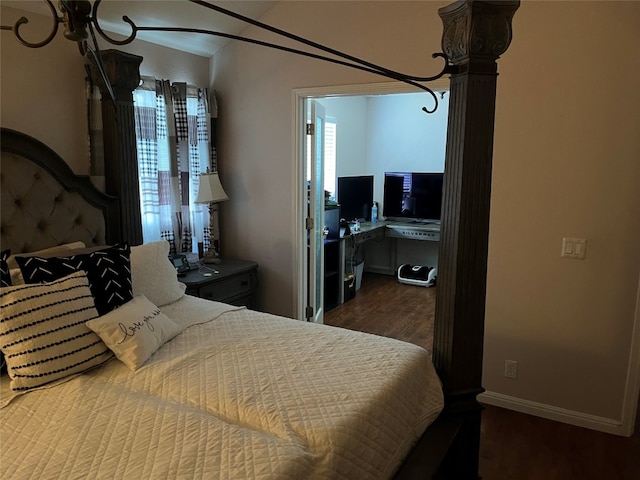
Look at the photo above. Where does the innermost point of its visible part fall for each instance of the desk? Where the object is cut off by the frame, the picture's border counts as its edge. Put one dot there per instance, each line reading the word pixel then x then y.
pixel 387 245
pixel 395 229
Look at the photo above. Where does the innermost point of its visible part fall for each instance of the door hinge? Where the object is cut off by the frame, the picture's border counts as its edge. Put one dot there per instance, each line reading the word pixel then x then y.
pixel 311 130
pixel 309 312
pixel 309 224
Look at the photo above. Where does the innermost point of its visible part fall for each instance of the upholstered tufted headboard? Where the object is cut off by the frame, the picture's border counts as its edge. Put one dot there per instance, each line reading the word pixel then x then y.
pixel 43 203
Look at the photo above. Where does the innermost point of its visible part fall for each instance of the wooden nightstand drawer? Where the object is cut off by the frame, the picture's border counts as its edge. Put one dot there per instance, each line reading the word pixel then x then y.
pixel 233 281
pixel 226 289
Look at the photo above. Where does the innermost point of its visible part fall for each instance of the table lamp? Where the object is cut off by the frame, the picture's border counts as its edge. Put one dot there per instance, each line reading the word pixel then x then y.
pixel 211 192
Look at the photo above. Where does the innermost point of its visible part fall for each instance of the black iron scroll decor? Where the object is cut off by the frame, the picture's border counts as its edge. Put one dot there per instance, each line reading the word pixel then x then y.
pixel 80 20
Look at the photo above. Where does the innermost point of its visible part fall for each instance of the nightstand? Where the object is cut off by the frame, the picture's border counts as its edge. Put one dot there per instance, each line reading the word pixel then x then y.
pixel 235 283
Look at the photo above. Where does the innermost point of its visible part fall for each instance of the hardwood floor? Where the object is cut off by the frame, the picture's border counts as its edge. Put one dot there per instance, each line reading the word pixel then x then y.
pixel 518 446
pixel 514 446
pixel 384 306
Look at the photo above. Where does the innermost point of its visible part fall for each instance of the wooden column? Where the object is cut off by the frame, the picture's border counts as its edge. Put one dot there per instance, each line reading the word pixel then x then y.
pixel 475 34
pixel 120 152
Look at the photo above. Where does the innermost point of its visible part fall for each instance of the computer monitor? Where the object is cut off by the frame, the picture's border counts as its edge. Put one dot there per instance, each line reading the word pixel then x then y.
pixel 355 196
pixel 413 195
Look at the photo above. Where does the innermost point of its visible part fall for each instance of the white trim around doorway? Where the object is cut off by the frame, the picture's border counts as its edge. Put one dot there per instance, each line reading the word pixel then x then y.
pixel 299 96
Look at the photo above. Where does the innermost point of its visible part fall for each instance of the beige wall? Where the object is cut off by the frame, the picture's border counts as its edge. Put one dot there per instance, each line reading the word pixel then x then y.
pixel 567 164
pixel 45 86
pixel 566 161
pixel 255 86
pixel 567 155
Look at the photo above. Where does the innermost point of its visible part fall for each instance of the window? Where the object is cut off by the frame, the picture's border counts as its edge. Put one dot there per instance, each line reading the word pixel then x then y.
pixel 172 136
pixel 330 129
pixel 330 156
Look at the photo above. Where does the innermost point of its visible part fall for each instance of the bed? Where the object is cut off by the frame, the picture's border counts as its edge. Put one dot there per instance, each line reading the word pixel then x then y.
pixel 166 385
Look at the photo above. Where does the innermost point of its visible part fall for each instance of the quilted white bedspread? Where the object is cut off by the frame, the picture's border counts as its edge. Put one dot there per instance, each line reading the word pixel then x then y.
pixel 245 395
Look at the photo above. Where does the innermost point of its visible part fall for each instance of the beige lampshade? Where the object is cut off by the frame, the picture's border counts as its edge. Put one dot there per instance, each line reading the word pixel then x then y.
pixel 211 190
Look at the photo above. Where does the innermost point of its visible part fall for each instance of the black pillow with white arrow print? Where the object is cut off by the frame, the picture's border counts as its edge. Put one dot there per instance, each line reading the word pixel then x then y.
pixel 108 271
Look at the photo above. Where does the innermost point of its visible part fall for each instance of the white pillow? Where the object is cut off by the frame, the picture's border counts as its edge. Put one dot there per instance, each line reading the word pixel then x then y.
pixel 153 275
pixel 43 334
pixel 16 276
pixel 134 331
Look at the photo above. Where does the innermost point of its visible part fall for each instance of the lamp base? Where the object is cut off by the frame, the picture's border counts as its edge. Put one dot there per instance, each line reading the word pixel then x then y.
pixel 211 257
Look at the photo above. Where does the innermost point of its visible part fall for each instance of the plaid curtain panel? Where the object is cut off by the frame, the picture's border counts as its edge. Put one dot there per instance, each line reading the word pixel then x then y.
pixel 206 160
pixel 173 149
pixel 210 113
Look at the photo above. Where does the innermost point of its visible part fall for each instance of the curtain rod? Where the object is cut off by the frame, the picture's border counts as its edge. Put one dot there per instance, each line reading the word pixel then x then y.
pixel 80 18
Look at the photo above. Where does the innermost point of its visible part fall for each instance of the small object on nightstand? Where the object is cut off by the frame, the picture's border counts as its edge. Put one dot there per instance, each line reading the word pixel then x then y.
pixel 181 263
pixel 208 271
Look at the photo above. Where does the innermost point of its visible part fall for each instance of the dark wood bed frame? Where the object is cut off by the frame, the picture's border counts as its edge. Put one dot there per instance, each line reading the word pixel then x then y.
pixel 40 154
pixel 475 34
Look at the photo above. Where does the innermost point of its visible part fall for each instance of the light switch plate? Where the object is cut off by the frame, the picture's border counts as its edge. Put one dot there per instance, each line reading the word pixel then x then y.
pixel 574 248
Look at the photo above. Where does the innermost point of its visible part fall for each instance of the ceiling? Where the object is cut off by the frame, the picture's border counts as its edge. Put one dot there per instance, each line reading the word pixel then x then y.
pixel 167 13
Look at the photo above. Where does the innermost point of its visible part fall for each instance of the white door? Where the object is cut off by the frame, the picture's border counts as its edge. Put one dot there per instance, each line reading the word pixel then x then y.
pixel 315 208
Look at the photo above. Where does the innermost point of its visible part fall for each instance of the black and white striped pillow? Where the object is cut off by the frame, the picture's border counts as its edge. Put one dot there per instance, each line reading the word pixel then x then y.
pixel 43 334
pixel 5 281
pixel 108 270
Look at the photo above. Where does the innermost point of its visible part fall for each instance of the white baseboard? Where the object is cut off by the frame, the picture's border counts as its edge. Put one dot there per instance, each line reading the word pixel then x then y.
pixel 550 412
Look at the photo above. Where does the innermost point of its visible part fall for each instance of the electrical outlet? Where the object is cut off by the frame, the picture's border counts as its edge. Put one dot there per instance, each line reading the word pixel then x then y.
pixel 511 369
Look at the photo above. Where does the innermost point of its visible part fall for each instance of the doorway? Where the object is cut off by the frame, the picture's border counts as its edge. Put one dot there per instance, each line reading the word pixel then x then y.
pixel 372 148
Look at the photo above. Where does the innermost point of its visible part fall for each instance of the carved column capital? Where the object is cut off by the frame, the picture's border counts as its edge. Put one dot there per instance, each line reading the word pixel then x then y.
pixel 477 32
pixel 123 71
